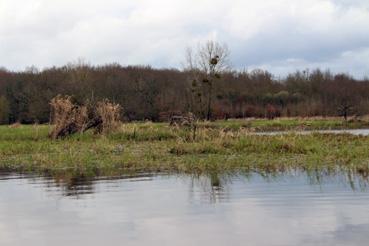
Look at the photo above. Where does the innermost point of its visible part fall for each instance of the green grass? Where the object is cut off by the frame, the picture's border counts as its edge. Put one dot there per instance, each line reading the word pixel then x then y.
pixel 222 147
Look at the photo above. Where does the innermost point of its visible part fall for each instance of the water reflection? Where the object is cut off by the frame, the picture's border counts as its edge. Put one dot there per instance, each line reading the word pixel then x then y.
pixel 294 208
pixel 214 186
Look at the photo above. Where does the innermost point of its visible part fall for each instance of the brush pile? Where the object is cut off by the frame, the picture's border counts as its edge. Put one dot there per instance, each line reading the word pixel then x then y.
pixel 69 117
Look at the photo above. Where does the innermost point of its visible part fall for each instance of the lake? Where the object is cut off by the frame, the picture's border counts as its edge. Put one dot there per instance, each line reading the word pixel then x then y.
pixel 284 209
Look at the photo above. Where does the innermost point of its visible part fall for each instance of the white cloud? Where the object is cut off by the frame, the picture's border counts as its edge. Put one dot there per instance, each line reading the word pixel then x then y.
pixel 353 62
pixel 260 33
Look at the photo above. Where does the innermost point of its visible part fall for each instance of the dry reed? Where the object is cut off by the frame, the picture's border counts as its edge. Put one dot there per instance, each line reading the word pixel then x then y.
pixel 69 118
pixel 109 114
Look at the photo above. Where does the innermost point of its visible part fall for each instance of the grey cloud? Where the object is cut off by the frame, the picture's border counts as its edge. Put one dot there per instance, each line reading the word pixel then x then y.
pixel 260 33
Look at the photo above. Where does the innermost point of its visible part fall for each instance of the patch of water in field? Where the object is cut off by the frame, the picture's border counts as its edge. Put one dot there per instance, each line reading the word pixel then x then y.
pixel 289 209
pixel 357 132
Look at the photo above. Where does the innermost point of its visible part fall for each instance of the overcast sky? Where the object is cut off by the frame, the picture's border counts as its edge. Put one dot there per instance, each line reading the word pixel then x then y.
pixel 278 35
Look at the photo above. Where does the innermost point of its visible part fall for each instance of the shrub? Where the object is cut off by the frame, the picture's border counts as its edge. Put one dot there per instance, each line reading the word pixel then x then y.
pixel 109 114
pixel 69 118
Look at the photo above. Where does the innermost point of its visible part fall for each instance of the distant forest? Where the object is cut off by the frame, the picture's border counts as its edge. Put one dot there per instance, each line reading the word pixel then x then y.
pixel 155 94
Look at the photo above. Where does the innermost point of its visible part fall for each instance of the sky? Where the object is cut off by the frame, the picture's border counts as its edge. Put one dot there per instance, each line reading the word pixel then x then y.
pixel 281 36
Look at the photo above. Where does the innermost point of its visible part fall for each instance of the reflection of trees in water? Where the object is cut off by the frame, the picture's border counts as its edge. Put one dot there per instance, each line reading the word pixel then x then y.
pixel 353 177
pixel 356 178
pixel 212 187
pixel 75 187
pixel 79 186
pixel 216 186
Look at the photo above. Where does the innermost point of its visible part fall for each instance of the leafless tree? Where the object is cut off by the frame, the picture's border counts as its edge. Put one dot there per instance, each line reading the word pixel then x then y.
pixel 207 64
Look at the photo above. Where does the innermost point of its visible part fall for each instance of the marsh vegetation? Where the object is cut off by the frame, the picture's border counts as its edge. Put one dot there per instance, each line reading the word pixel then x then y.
pixel 219 147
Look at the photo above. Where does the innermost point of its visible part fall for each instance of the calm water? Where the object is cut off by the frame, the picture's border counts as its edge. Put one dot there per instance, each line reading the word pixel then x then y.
pixel 181 210
pixel 357 132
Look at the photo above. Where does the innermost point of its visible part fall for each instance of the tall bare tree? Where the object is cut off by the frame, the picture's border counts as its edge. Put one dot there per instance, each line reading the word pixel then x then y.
pixel 207 63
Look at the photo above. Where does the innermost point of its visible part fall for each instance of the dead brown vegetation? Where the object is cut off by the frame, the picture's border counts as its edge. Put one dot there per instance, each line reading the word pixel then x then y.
pixel 15 125
pixel 69 118
pixel 109 113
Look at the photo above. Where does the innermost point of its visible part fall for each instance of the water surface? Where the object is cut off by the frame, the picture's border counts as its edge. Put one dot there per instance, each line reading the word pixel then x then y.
pixel 289 209
pixel 356 132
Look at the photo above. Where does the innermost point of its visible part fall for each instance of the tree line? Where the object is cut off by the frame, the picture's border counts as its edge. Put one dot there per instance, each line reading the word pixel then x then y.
pixel 152 94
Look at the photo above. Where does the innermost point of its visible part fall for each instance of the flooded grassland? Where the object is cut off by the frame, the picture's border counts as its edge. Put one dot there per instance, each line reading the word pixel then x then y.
pixel 218 147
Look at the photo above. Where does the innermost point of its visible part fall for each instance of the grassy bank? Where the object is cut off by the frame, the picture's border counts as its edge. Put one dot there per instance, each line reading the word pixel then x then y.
pixel 155 147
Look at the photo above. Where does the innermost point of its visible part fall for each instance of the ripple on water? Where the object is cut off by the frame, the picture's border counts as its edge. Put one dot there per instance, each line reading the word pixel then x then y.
pixel 182 210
